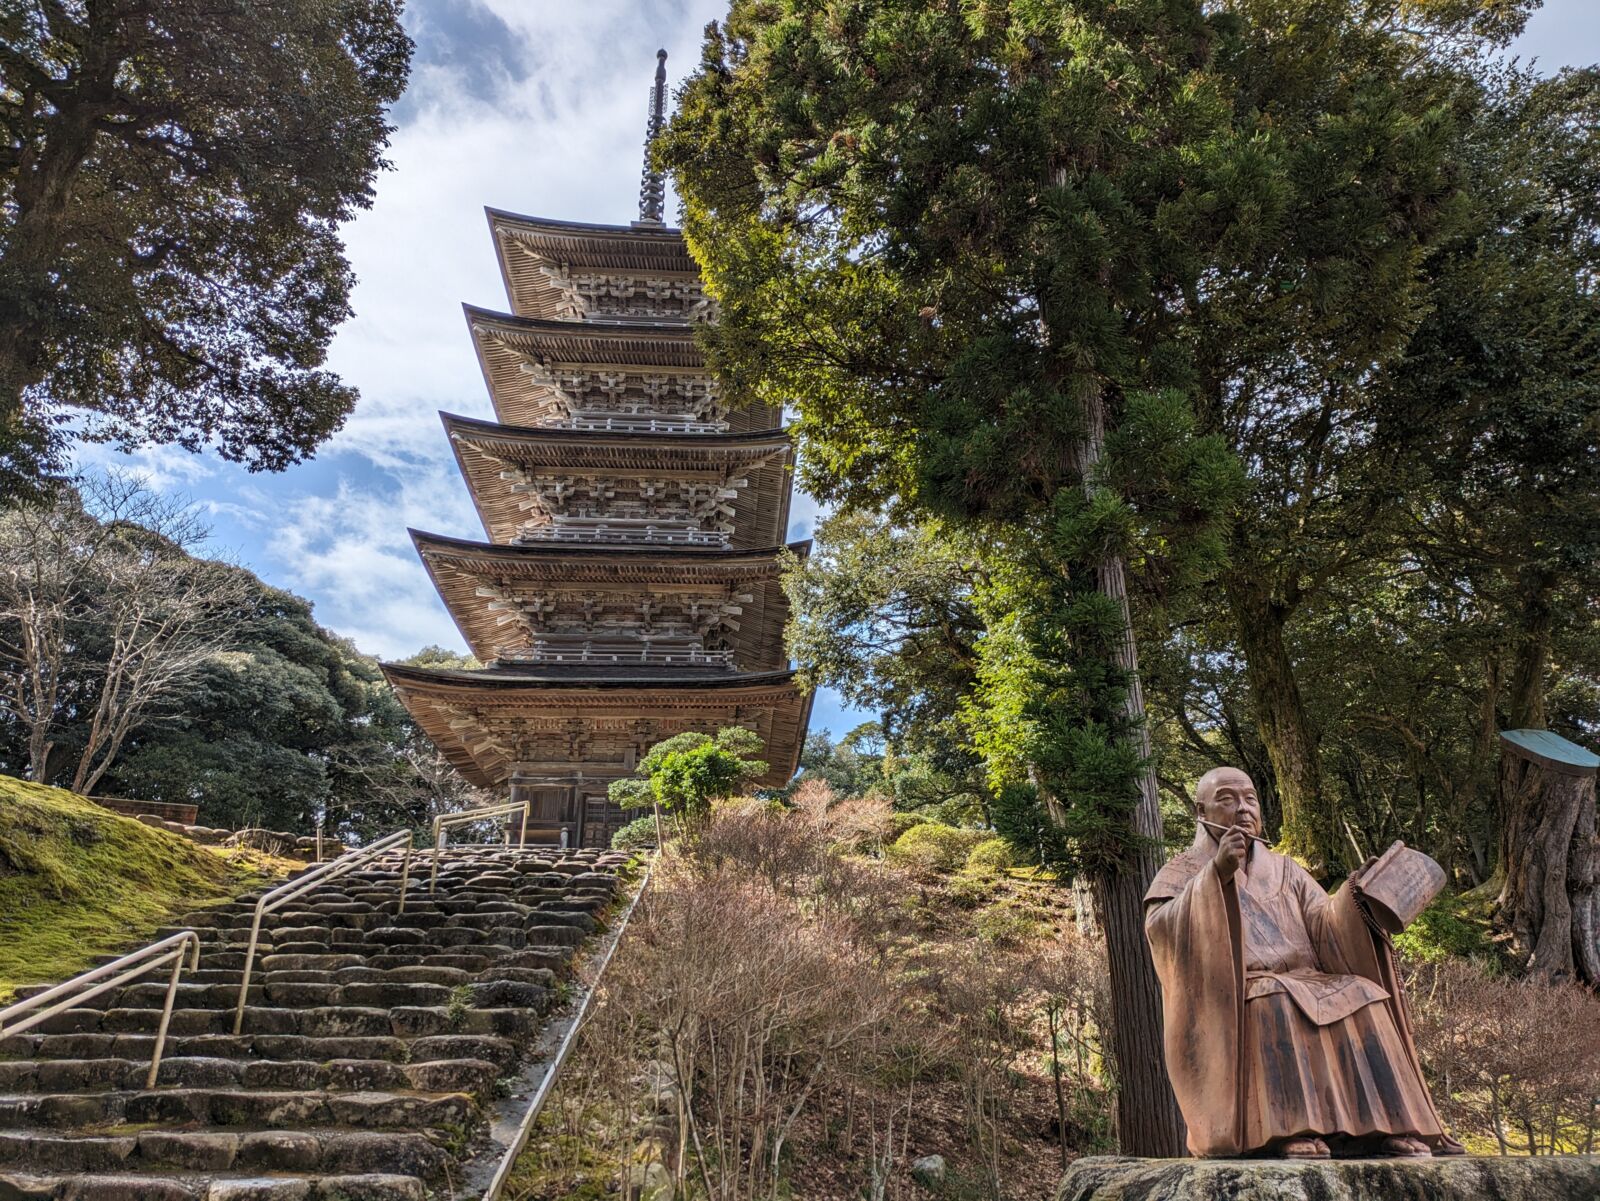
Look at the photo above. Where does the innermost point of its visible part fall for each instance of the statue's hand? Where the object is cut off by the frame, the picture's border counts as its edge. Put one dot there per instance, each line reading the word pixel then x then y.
pixel 1230 852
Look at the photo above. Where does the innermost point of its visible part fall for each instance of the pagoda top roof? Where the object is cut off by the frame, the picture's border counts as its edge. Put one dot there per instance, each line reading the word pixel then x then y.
pixel 555 227
pixel 526 246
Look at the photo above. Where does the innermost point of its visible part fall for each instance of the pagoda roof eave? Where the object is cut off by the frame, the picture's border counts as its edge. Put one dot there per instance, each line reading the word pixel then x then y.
pixel 568 553
pixel 484 449
pixel 502 680
pixel 554 436
pixel 644 346
pixel 617 329
pixel 557 225
pixel 460 570
pixel 458 710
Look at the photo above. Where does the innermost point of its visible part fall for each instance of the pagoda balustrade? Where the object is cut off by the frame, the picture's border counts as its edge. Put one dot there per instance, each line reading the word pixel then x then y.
pixel 621 392
pixel 670 423
pixel 645 653
pixel 591 297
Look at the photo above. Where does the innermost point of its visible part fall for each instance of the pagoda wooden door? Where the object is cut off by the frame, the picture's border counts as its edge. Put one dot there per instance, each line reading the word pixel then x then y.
pixel 601 819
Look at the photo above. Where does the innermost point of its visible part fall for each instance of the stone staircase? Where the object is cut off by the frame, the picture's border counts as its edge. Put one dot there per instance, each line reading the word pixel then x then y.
pixel 373 1042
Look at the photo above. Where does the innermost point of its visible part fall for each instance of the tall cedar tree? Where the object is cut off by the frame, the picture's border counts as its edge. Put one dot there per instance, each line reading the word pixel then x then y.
pixel 1002 258
pixel 172 177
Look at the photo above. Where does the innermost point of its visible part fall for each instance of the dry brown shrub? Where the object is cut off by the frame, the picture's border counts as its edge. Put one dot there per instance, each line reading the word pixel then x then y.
pixel 1515 1061
pixel 761 1005
pixel 860 824
pixel 805 1000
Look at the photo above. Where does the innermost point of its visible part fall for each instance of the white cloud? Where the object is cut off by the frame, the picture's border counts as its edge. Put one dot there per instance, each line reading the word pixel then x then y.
pixel 350 552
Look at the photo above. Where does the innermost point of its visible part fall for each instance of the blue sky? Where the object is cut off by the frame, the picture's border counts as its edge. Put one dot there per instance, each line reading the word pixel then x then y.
pixel 527 105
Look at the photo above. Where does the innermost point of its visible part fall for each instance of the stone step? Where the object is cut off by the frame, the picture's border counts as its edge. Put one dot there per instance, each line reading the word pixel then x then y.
pixel 80 1186
pixel 323 1151
pixel 372 1039
pixel 49 1076
pixel 265 1108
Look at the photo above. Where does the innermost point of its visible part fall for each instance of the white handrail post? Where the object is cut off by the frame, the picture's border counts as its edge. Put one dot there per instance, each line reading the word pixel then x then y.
pixel 166 1013
pixel 438 846
pixel 405 872
pixel 527 816
pixel 249 965
pixel 118 973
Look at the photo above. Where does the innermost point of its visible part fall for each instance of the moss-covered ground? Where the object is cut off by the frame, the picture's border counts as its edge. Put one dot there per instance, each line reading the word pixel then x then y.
pixel 78 881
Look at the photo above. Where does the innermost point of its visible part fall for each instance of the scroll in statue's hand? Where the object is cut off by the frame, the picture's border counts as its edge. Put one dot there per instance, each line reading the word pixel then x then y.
pixel 1231 848
pixel 1398 885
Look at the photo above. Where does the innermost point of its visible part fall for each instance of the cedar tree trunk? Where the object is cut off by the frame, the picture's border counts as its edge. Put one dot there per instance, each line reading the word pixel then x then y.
pixel 1149 1121
pixel 1286 729
pixel 1530 653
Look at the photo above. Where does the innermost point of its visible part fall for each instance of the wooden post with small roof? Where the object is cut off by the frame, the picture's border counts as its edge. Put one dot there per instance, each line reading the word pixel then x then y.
pixel 1549 902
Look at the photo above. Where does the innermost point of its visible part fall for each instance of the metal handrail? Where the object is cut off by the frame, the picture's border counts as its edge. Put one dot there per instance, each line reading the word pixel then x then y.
pixel 467 817
pixel 301 885
pixel 121 971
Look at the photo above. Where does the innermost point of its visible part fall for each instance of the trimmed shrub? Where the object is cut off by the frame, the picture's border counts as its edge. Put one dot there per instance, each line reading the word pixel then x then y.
pixel 899 823
pixel 637 835
pixel 991 857
pixel 935 847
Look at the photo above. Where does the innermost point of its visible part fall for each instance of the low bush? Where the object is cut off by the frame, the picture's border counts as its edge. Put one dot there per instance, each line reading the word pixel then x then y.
pixel 637 835
pixel 1513 1062
pixel 930 846
pixel 991 857
pixel 1005 926
pixel 900 822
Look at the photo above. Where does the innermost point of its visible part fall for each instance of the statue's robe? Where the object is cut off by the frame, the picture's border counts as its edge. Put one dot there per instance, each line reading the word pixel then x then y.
pixel 1284 1013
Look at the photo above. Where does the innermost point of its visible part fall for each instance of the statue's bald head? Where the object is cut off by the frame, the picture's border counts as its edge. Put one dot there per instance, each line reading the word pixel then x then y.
pixel 1225 796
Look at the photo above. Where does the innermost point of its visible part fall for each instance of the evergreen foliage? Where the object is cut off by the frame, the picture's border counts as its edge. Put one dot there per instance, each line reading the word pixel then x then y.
pixel 683 775
pixel 172 180
pixel 1097 285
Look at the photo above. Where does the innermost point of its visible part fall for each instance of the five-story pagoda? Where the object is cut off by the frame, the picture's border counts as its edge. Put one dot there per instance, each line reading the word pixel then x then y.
pixel 629 588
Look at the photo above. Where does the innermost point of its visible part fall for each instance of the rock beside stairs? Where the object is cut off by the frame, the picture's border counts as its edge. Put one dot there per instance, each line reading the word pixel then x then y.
pixel 1449 1178
pixel 373 1041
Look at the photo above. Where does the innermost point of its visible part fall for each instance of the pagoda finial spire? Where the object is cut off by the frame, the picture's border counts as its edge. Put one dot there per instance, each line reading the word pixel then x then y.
pixel 653 189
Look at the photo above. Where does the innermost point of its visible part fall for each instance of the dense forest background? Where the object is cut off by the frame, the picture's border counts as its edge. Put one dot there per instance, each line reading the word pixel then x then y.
pixel 133 666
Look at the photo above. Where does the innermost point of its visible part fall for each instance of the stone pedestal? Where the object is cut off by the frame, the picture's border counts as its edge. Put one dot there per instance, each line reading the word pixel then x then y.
pixel 1456 1178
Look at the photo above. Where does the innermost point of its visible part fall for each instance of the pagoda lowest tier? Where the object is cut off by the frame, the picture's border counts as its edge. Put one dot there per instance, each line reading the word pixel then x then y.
pixel 547 604
pixel 563 737
pixel 629 590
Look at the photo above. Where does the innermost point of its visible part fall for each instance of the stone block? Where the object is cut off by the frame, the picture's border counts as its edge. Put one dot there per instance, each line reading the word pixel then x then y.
pixel 1445 1178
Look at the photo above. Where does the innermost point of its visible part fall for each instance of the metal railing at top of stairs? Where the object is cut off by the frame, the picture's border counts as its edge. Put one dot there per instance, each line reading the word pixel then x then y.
pixel 310 881
pixel 87 986
pixel 467 817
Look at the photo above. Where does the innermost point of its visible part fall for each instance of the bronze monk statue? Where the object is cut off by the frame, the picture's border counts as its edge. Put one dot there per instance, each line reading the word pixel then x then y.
pixel 1286 1029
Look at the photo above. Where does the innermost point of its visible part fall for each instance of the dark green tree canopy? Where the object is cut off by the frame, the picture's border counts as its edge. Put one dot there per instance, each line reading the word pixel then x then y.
pixel 172 177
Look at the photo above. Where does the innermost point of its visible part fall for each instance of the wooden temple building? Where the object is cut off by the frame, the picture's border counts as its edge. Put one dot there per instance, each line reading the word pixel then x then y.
pixel 628 588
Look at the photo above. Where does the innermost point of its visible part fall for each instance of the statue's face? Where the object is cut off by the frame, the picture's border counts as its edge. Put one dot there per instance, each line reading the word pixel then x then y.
pixel 1227 798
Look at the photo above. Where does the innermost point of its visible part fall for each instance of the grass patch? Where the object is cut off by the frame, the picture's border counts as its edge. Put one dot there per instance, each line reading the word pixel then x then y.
pixel 78 881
